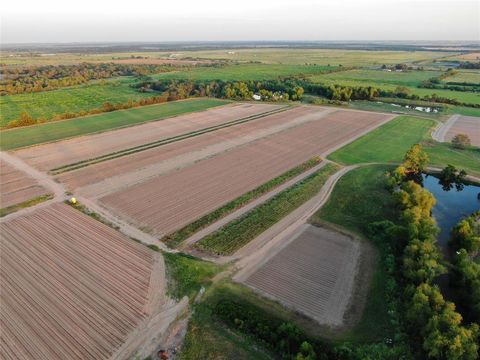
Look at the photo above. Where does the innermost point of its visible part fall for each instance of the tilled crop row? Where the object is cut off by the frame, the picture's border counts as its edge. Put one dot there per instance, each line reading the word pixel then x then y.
pixel 313 274
pixel 168 202
pixel 17 187
pixel 72 288
pixel 53 155
pixel 105 170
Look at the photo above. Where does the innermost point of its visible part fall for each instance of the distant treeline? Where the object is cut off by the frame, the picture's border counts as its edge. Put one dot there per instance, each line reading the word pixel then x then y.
pixel 43 78
pixel 469 65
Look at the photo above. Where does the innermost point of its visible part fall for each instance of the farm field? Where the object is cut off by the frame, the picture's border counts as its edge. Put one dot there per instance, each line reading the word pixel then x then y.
pixel 38 134
pixel 73 99
pixel 110 175
pixel 61 153
pixel 380 77
pixel 190 193
pixel 64 274
pixel 389 143
pixel 314 274
pixel 17 187
pixel 323 57
pixel 465 76
pixel 468 125
pixel 390 81
pixel 244 72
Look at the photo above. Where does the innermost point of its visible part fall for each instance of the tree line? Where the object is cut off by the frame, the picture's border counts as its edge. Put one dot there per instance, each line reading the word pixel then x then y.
pixel 434 326
pixel 19 80
pixel 465 277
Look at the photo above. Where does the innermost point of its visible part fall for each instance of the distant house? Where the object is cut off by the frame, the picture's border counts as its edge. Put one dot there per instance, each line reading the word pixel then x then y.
pixel 256 97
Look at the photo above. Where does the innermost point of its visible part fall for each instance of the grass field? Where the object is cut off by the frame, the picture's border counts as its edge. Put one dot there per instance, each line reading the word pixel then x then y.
pixel 74 99
pixel 241 231
pixel 317 56
pixel 243 72
pixel 389 143
pixel 380 77
pixel 391 80
pixel 364 188
pixel 467 76
pixel 57 130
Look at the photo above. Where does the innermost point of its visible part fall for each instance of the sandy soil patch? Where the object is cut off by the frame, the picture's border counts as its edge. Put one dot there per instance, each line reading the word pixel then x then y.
pixel 168 202
pixel 16 186
pixel 314 274
pixel 52 155
pixel 72 288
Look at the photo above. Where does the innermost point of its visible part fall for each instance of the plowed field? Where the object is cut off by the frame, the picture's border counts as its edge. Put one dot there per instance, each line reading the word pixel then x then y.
pixel 314 274
pixel 469 125
pixel 53 155
pixel 17 187
pixel 72 288
pixel 186 151
pixel 168 202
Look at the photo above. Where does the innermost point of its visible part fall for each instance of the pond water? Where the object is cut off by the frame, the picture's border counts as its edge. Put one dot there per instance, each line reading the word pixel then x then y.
pixel 451 206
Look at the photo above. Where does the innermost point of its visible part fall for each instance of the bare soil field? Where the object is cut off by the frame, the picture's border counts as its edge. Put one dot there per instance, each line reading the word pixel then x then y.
pixel 314 274
pixel 72 287
pixel 17 187
pixel 48 156
pixel 140 165
pixel 469 125
pixel 165 203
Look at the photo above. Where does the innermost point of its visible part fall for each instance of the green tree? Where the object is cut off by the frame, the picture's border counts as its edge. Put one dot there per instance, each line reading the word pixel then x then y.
pixel 415 160
pixel 461 141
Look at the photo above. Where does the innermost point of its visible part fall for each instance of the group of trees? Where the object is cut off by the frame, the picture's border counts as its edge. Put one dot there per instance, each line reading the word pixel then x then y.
pixel 43 78
pixel 465 242
pixel 285 338
pixel 469 65
pixel 430 320
pixel 271 90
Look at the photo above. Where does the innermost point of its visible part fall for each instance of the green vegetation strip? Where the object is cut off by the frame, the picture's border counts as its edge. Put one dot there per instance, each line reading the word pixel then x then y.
pixel 59 130
pixel 241 231
pixel 187 274
pixel 143 147
pixel 179 236
pixel 389 142
pixel 11 209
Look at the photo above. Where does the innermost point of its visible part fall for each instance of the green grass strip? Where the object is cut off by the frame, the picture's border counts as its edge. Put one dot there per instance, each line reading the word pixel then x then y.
pixel 11 209
pixel 239 232
pixel 59 130
pixel 147 146
pixel 179 236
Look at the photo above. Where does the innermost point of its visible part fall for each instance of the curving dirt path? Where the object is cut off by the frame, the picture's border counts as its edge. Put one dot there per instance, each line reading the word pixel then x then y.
pixel 441 130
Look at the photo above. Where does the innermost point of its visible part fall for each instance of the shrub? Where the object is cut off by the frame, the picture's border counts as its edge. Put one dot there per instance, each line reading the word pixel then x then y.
pixel 461 141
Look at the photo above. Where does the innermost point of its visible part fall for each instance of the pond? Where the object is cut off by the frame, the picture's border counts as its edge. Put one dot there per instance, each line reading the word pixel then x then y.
pixel 451 206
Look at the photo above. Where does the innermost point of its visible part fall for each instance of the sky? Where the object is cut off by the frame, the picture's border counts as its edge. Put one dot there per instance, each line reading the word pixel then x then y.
pixel 61 21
